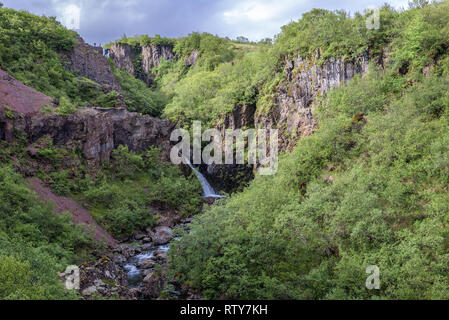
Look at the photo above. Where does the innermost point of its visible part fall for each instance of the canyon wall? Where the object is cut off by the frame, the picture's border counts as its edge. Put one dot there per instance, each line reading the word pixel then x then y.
pixel 89 62
pixel 140 61
pixel 291 114
pixel 97 132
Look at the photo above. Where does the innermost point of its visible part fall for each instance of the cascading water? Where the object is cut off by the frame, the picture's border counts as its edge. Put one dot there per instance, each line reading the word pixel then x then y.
pixel 135 274
pixel 208 191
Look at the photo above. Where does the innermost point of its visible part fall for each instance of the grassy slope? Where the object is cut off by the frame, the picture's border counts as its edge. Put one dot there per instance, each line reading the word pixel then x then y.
pixel 363 190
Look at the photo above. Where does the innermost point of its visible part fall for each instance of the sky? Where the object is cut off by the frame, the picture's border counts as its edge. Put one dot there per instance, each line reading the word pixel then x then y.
pixel 103 21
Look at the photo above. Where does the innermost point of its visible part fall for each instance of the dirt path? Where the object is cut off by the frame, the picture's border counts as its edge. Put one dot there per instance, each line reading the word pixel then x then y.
pixel 65 204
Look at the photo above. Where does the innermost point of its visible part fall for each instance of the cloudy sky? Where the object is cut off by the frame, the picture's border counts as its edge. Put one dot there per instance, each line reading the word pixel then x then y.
pixel 102 21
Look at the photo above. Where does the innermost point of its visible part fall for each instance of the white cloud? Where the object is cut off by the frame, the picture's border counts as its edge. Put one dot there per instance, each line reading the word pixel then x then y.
pixel 259 11
pixel 258 19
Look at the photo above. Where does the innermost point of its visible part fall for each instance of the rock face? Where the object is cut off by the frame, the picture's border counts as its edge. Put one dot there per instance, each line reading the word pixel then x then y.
pixel 191 60
pixel 89 62
pixel 241 117
pixel 152 56
pixel 122 56
pixel 140 62
pixel 17 100
pixel 229 178
pixel 99 131
pixel 292 113
pixel 95 131
pixel 104 277
pixel 305 81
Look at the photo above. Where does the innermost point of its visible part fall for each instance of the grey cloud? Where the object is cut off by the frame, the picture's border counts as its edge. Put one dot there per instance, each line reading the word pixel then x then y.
pixel 105 20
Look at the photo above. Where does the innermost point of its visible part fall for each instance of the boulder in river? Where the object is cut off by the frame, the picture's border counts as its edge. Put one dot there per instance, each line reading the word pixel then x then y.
pixel 146 264
pixel 162 235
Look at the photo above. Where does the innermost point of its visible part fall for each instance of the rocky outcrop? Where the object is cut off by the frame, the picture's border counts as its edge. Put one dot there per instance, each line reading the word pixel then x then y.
pixel 153 54
pixel 99 131
pixel 140 61
pixel 161 235
pixel 191 60
pixel 292 114
pixel 241 117
pixel 95 131
pixel 229 178
pixel 104 278
pixel 305 80
pixel 122 55
pixel 89 62
pixel 16 101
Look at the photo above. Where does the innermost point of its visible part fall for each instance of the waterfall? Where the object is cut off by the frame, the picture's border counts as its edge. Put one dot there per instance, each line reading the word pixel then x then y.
pixel 208 191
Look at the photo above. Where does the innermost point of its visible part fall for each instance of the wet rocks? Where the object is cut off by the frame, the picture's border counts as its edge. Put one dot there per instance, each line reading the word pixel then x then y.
pixel 229 178
pixel 139 236
pixel 127 250
pixel 153 284
pixel 162 235
pixel 146 264
pixel 103 277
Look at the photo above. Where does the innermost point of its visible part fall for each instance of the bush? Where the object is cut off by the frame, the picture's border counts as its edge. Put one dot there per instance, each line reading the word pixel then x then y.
pixel 125 219
pixel 35 243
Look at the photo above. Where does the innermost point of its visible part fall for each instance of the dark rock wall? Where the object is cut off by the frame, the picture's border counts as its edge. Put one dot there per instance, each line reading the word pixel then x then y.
pixel 89 62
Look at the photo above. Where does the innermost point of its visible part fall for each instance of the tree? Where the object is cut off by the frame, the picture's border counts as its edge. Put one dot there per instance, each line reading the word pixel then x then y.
pixel 418 4
pixel 242 39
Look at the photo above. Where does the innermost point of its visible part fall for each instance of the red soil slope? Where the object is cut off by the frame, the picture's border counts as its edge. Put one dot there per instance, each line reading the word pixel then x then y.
pixel 19 97
pixel 79 214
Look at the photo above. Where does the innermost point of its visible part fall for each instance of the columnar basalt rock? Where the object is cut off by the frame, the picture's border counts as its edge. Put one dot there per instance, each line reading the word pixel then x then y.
pixel 192 59
pixel 124 57
pixel 305 80
pixel 153 54
pixel 89 62
pixel 292 115
pixel 99 131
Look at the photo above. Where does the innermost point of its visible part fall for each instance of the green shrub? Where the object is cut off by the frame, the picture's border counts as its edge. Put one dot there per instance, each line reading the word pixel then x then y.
pixel 125 219
pixel 66 107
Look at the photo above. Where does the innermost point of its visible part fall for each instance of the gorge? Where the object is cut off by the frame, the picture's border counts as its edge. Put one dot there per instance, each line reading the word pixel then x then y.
pixel 86 177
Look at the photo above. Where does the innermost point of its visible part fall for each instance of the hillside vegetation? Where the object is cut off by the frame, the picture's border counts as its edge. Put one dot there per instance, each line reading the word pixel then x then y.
pixel 370 187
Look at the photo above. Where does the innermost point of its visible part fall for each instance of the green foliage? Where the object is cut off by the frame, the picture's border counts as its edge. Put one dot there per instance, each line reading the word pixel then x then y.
pixel 15 279
pixel 35 243
pixel 209 95
pixel 29 47
pixel 422 37
pixel 65 107
pixel 143 41
pixel 138 97
pixel 126 218
pixel 368 188
pixel 126 163
pixel 212 49
pixel 133 185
